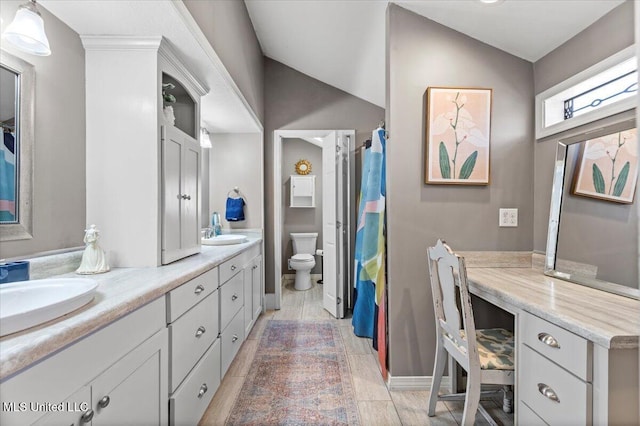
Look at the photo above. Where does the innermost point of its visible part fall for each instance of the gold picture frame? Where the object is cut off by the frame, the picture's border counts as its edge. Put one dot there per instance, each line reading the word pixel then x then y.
pixel 303 167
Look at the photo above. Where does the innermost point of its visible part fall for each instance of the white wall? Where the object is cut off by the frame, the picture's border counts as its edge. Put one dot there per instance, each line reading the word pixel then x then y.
pixel 236 160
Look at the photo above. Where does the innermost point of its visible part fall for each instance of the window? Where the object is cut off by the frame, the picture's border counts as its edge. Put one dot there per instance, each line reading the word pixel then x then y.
pixel 605 89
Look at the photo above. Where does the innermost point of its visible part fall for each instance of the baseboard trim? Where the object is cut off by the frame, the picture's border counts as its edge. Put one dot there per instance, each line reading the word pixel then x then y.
pixel 402 383
pixel 270 301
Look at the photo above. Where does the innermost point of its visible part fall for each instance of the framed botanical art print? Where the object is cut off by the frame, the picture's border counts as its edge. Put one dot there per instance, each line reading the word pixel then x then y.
pixel 458 125
pixel 608 167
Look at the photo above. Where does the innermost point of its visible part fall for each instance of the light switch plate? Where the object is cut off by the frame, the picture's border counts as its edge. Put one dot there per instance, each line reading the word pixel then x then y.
pixel 508 218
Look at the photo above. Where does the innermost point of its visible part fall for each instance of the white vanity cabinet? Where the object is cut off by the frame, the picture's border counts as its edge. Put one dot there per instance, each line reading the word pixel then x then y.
pixel 180 194
pixel 125 126
pixel 87 386
pixel 565 379
pixel 194 361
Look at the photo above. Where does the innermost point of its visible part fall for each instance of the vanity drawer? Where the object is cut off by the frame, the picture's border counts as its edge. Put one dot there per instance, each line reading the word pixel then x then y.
pixel 189 402
pixel 231 340
pixel 181 299
pixel 538 376
pixel 190 336
pixel 568 350
pixel 231 299
pixel 237 263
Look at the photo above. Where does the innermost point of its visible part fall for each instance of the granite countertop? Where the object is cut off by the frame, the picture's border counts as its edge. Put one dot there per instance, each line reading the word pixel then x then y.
pixel 120 291
pixel 606 319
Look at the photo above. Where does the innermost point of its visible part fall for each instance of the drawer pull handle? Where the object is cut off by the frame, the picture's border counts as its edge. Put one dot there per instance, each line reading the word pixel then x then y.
pixel 199 289
pixel 234 297
pixel 86 416
pixel 201 330
pixel 233 267
pixel 104 401
pixel 548 392
pixel 234 338
pixel 203 389
pixel 548 340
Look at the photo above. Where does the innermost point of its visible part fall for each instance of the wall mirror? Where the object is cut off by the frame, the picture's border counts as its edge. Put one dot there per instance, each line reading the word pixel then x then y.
pixel 17 83
pixel 593 222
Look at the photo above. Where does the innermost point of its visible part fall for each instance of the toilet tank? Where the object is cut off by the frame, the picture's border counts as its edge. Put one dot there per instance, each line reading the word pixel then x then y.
pixel 304 243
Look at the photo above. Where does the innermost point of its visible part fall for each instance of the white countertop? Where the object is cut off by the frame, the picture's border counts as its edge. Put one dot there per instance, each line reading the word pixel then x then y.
pixel 606 319
pixel 120 291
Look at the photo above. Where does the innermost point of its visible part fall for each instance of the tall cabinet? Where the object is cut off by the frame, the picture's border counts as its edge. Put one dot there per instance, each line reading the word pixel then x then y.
pixel 142 197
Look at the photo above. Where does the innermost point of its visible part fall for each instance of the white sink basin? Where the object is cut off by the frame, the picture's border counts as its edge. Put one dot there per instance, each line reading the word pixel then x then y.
pixel 223 240
pixel 28 303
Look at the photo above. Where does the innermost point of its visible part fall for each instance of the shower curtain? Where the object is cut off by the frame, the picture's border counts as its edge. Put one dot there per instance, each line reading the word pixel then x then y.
pixel 369 311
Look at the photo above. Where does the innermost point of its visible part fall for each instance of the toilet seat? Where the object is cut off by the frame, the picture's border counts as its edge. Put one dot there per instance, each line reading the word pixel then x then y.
pixel 302 257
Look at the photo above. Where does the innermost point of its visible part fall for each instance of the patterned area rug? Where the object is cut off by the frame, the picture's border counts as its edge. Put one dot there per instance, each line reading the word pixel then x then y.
pixel 299 376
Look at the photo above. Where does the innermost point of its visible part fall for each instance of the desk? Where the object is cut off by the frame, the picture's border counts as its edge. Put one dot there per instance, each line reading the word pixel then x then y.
pixel 606 325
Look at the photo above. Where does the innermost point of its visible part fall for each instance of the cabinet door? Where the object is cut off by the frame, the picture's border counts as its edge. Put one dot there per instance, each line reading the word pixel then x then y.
pixel 171 191
pixel 256 281
pixel 190 228
pixel 75 411
pixel 248 310
pixel 180 194
pixel 134 390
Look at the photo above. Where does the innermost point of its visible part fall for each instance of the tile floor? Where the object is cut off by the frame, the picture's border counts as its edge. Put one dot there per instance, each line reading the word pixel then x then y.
pixel 376 404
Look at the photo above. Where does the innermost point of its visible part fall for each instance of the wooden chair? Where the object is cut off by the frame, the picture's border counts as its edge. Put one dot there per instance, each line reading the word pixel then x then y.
pixel 486 355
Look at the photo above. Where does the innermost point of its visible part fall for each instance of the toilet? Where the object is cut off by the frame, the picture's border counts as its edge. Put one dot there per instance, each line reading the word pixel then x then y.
pixel 302 261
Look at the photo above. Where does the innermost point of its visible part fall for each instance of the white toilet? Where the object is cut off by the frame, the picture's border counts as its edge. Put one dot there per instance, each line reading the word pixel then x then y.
pixel 302 261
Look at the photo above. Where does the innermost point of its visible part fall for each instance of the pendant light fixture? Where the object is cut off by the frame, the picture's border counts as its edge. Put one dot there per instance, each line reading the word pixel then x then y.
pixel 26 32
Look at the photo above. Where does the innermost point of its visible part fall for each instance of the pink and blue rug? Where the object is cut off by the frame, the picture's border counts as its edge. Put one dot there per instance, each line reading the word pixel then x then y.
pixel 300 376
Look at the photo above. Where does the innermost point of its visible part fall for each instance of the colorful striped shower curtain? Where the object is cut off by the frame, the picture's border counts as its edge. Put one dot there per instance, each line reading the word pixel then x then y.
pixel 369 311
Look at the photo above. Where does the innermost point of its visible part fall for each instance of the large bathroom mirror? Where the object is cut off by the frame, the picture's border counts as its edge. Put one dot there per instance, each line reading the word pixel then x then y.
pixel 593 223
pixel 17 83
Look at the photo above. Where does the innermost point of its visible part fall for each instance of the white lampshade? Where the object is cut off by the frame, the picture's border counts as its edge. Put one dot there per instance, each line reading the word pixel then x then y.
pixel 26 32
pixel 205 140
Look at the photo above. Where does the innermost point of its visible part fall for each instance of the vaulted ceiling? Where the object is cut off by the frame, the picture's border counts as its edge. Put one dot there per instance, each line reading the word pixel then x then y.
pixel 342 43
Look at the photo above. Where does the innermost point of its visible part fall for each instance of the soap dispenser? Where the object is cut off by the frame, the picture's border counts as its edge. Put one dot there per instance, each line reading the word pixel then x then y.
pixel 216 224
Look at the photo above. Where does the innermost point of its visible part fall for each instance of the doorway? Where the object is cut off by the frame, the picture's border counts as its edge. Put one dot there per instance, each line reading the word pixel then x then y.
pixel 337 213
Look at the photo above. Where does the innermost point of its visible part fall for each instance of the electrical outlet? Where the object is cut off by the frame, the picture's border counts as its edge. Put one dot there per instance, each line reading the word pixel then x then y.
pixel 508 218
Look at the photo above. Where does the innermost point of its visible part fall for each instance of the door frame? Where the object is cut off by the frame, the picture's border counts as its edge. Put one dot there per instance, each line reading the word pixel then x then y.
pixel 278 137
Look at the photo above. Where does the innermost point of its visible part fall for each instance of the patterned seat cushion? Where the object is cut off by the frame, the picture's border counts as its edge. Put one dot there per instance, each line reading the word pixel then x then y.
pixel 495 348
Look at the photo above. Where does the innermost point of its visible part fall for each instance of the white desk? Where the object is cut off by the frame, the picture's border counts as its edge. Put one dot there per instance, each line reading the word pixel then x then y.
pixel 597 365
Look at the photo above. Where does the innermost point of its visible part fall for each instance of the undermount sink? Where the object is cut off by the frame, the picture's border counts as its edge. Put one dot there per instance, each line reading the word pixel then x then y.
pixel 26 304
pixel 226 239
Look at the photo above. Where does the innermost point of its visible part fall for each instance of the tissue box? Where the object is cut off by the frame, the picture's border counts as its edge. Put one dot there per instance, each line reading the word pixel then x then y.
pixel 14 271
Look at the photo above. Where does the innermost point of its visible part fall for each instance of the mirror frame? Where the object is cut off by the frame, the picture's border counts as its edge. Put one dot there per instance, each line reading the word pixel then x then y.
pixel 25 125
pixel 557 192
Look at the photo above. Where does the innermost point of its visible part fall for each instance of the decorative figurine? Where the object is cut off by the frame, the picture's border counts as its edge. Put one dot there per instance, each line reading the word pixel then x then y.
pixel 94 260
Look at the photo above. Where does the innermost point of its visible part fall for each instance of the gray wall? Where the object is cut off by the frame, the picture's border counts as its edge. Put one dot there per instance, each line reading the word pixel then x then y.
pixel 610 34
pixel 235 160
pixel 227 26
pixel 295 101
pixel 423 53
pixel 59 184
pixel 300 219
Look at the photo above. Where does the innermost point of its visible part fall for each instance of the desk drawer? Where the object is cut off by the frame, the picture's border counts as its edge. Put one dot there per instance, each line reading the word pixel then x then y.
pixel 566 349
pixel 190 336
pixel 231 299
pixel 527 417
pixel 189 402
pixel 181 299
pixel 538 375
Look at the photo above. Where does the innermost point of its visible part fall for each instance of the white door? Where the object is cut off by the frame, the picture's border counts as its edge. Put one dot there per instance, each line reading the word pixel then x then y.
pixel 334 237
